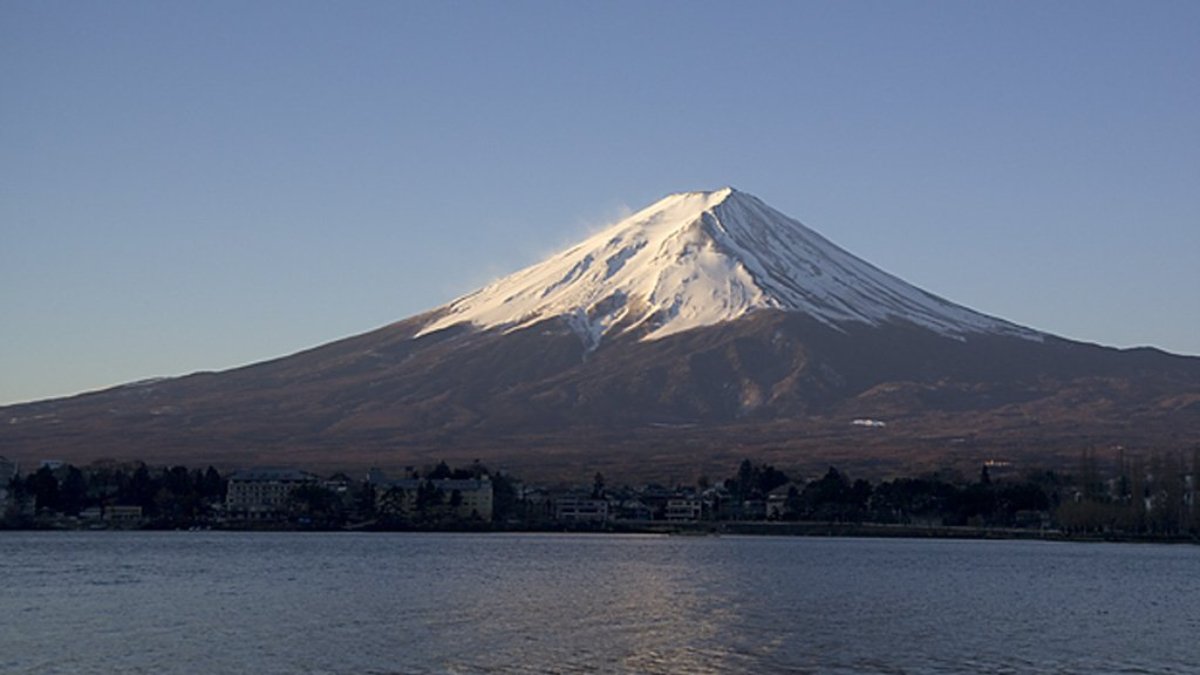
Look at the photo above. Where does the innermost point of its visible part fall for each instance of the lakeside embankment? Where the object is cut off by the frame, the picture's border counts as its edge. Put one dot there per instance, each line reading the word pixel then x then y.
pixel 752 528
pixel 869 530
pixel 764 529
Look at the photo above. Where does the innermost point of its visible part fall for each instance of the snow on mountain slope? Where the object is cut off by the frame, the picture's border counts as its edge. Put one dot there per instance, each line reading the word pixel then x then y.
pixel 699 258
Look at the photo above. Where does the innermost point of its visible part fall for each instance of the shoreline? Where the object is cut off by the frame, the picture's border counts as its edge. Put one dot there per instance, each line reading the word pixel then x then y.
pixel 876 531
pixel 691 529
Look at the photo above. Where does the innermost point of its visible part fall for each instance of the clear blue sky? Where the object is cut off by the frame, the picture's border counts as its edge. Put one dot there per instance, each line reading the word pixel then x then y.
pixel 194 186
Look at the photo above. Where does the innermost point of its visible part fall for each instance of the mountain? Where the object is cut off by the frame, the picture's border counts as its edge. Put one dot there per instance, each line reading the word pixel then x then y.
pixel 701 258
pixel 703 329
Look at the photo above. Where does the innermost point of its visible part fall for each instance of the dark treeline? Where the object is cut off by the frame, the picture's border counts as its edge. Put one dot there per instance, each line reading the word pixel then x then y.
pixel 181 497
pixel 171 495
pixel 1155 497
pixel 931 499
pixel 1145 496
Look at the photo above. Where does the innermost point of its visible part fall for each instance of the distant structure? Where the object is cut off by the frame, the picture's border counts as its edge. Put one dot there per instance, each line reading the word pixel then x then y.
pixel 683 509
pixel 778 500
pixel 262 494
pixel 123 516
pixel 581 509
pixel 461 497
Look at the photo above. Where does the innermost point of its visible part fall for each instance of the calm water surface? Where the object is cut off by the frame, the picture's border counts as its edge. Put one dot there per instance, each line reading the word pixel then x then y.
pixel 111 602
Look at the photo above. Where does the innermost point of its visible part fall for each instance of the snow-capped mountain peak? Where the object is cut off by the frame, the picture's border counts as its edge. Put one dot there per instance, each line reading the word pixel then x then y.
pixel 696 259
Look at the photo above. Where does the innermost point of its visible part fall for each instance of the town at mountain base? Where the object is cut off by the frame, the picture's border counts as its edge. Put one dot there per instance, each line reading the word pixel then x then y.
pixel 705 328
pixel 1123 500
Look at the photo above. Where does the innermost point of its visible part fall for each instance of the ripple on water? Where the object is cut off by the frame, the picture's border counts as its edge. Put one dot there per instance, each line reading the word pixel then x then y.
pixel 361 603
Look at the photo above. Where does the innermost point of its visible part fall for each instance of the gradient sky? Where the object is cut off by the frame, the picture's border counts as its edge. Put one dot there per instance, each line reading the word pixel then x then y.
pixel 194 186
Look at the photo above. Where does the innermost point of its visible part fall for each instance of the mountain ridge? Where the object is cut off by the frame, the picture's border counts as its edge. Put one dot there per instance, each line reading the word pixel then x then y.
pixel 558 379
pixel 698 258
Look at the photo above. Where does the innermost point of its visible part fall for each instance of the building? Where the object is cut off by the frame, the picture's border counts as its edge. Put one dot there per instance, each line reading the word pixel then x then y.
pixel 779 501
pixel 718 503
pixel 682 509
pixel 536 503
pixel 581 509
pixel 753 509
pixel 634 509
pixel 262 494
pixel 94 513
pixel 123 516
pixel 656 497
pixel 461 497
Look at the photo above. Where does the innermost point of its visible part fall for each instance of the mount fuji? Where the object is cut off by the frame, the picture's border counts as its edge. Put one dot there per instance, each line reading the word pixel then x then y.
pixel 702 329
pixel 701 258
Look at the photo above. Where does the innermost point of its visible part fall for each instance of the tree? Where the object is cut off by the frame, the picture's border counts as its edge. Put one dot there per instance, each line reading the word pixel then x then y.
pixel 504 497
pixel 1194 518
pixel 832 488
pixel 390 505
pixel 72 492
pixel 364 499
pixel 178 481
pixel 19 494
pixel 902 498
pixel 213 486
pixel 319 504
pixel 139 490
pixel 44 486
pixel 975 505
pixel 1168 491
pixel 792 504
pixel 754 482
pixel 1092 486
pixel 769 478
pixel 429 496
pixel 1137 495
pixel 744 482
pixel 1014 498
pixel 833 497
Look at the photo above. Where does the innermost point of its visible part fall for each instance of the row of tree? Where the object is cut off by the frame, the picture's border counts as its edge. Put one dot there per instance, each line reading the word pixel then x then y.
pixel 1155 496
pixel 171 494
pixel 177 496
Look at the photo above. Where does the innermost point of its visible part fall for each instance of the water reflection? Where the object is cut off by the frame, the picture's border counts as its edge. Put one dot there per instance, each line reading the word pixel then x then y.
pixel 288 603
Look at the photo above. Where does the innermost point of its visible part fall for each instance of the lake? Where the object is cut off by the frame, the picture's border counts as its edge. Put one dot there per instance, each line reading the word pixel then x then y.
pixel 225 602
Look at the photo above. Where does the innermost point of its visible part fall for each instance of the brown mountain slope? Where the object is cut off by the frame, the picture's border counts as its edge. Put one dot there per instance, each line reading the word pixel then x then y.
pixel 775 385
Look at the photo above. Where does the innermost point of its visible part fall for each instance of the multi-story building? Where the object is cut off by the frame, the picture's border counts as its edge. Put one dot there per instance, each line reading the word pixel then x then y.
pixel 683 509
pixel 123 516
pixel 459 497
pixel 581 509
pixel 262 494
